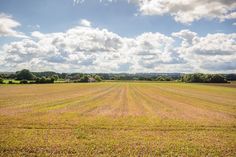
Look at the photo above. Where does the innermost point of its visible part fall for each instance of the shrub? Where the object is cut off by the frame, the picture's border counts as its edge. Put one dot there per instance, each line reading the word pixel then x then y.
pixel 1 81
pixel 85 78
pixel 55 77
pixel 23 82
pixel 163 78
pixel 24 75
pixel 204 78
pixel 44 80
pixel 76 81
pixel 98 78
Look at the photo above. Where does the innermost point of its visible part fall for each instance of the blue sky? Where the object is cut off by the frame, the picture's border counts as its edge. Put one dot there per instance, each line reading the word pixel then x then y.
pixel 119 17
pixel 130 22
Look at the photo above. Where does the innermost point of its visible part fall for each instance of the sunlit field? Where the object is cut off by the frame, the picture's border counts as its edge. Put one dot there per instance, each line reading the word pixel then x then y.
pixel 118 119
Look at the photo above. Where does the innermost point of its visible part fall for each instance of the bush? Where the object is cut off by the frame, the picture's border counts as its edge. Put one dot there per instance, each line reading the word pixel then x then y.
pixel 55 77
pixel 85 78
pixel 23 82
pixel 1 81
pixel 76 81
pixel 98 78
pixel 203 78
pixel 24 75
pixel 163 78
pixel 44 80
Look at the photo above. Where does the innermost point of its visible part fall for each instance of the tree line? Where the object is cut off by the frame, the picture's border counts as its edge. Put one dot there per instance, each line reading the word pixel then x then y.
pixel 204 78
pixel 26 76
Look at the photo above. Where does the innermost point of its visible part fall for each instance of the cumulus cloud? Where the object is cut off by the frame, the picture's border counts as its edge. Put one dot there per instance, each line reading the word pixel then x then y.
pixel 81 48
pixel 214 52
pixel 184 11
pixel 187 11
pixel 155 49
pixel 85 23
pixel 187 36
pixel 88 49
pixel 8 25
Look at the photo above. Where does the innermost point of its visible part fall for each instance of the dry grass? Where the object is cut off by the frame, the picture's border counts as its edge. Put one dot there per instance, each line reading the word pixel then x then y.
pixel 117 119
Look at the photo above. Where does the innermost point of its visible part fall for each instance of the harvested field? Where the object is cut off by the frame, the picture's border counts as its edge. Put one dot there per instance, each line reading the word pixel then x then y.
pixel 118 119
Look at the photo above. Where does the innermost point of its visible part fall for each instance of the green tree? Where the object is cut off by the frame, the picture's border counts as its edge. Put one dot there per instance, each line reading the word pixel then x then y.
pixel 24 75
pixel 163 78
pixel 1 81
pixel 84 78
pixel 204 78
pixel 97 78
pixel 55 77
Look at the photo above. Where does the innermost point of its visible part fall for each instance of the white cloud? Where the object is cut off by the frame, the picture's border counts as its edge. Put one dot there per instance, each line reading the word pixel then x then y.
pixel 85 23
pixel 184 11
pixel 8 25
pixel 187 11
pixel 87 49
pixel 212 53
pixel 187 36
pixel 37 34
pixel 152 50
pixel 79 48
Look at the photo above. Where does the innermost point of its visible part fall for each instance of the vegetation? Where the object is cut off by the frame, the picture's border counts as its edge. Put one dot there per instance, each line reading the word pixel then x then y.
pixel 55 77
pixel 1 81
pixel 118 119
pixel 84 78
pixel 24 75
pixel 164 78
pixel 23 82
pixel 44 80
pixel 98 77
pixel 204 78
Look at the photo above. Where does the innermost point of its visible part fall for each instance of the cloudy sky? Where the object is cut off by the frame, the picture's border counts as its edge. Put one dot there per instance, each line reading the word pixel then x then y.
pixel 118 35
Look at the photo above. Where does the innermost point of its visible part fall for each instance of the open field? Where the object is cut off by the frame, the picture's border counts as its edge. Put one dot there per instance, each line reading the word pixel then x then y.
pixel 118 119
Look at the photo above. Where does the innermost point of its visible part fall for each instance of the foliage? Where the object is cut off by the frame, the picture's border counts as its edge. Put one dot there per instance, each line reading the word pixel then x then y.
pixel 44 80
pixel 203 78
pixel 163 78
pixel 24 75
pixel 1 81
pixel 97 78
pixel 23 82
pixel 45 74
pixel 55 77
pixel 230 77
pixel 75 76
pixel 84 78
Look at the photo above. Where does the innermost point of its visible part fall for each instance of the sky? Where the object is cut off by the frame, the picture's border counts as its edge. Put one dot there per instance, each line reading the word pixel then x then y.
pixel 116 36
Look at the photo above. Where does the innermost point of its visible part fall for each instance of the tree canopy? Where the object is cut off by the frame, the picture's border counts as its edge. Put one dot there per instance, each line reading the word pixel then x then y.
pixel 204 78
pixel 24 74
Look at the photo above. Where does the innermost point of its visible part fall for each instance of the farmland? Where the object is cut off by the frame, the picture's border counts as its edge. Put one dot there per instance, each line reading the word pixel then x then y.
pixel 118 119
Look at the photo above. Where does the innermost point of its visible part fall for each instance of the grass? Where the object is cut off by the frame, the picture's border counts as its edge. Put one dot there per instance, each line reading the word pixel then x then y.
pixel 13 81
pixel 118 119
pixel 6 81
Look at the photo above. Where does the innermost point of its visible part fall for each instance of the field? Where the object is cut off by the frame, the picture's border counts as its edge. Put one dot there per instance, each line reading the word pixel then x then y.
pixel 118 119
